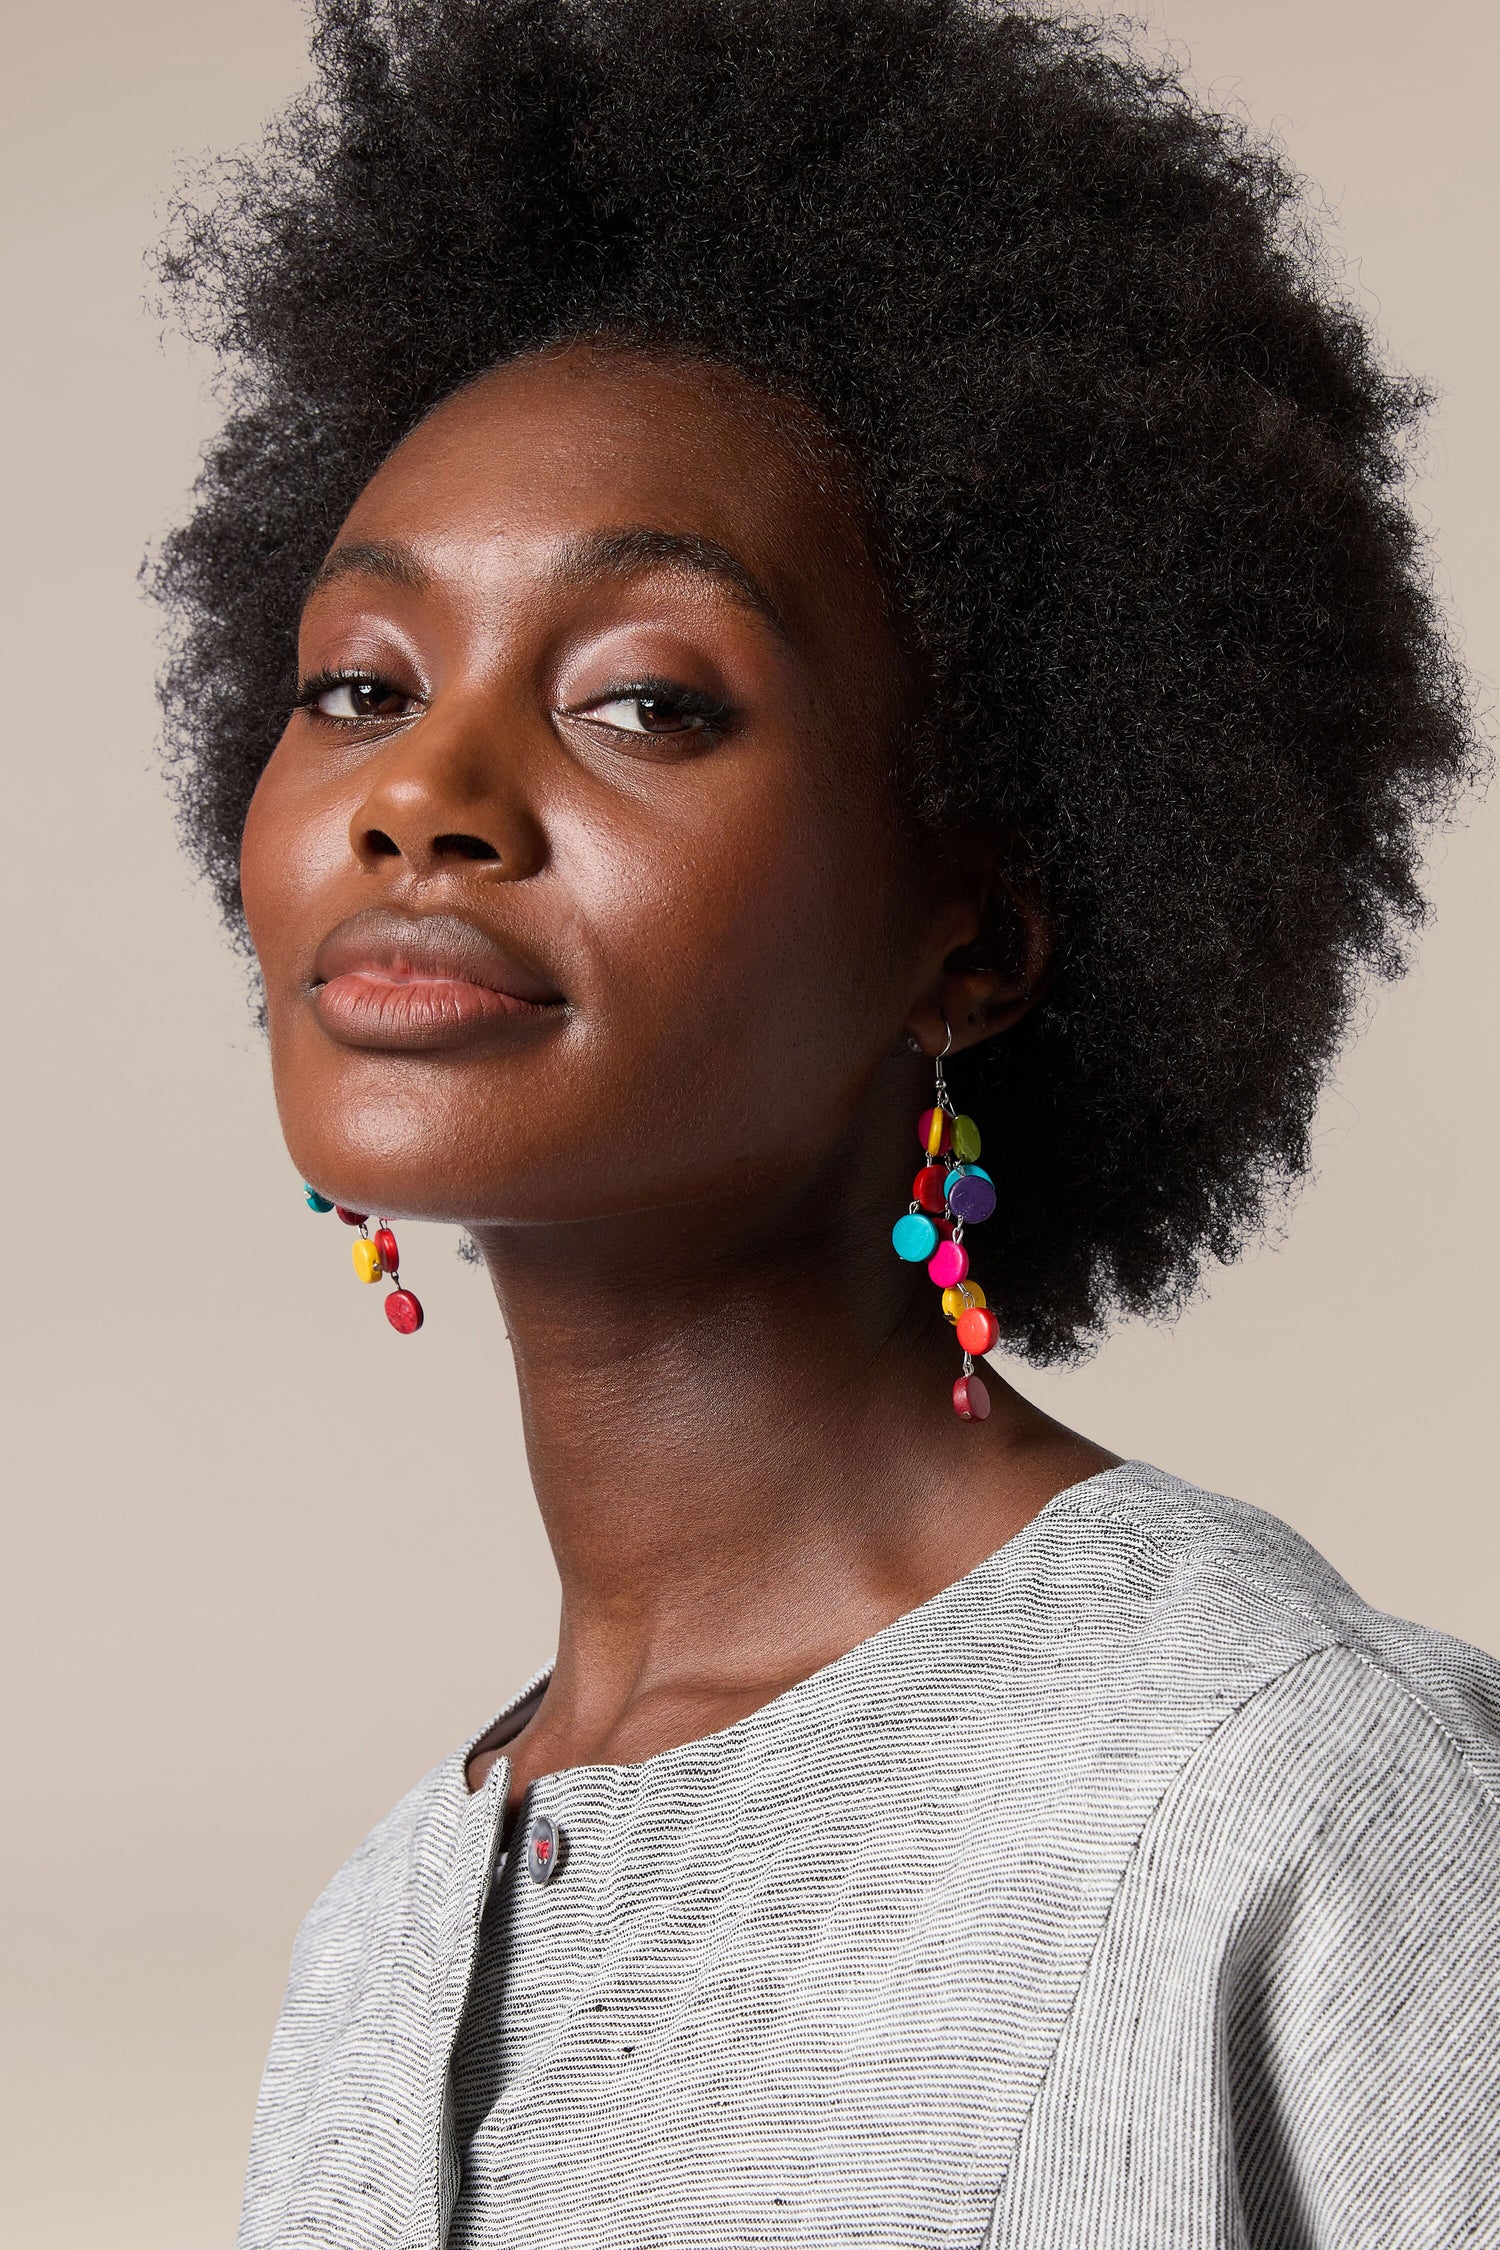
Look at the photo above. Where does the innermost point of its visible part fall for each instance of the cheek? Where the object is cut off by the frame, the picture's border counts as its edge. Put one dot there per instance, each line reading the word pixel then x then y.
pixel 743 973
pixel 293 854
pixel 296 842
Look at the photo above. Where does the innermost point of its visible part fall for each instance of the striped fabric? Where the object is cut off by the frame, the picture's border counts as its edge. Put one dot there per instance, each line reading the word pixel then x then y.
pixel 1139 1892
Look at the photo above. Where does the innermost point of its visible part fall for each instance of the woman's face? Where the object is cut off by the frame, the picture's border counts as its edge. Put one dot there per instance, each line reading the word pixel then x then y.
pixel 577 878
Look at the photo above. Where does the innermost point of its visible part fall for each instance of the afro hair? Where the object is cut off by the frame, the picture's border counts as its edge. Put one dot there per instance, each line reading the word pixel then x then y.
pixel 1134 466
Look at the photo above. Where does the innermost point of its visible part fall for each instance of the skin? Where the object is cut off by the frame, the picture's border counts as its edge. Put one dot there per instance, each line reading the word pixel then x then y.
pixel 681 1159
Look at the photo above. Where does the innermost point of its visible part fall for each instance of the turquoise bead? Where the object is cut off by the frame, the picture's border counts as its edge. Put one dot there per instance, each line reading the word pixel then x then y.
pixel 914 1238
pixel 315 1202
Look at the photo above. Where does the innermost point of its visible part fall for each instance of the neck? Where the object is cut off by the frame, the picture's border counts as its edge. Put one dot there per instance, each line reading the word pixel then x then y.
pixel 741 1436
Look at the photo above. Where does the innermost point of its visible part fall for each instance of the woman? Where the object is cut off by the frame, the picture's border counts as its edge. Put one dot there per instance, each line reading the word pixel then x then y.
pixel 794 598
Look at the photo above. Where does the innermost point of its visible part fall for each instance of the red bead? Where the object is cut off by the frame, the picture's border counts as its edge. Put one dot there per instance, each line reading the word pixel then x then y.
pixel 351 1218
pixel 971 1401
pixel 385 1243
pixel 930 1188
pixel 403 1312
pixel 978 1330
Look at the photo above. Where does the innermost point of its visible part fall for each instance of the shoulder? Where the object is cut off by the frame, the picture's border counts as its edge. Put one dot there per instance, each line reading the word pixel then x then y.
pixel 1287 2016
pixel 1204 1597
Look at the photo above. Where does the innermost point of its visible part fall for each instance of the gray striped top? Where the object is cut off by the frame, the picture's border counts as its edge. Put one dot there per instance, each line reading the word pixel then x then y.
pixel 1139 1892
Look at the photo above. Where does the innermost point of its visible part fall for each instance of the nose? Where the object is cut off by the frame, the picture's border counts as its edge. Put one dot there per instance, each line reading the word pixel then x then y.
pixel 443 791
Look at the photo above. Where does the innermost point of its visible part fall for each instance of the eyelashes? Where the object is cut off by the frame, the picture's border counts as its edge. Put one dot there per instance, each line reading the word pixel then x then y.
pixel 365 695
pixel 657 709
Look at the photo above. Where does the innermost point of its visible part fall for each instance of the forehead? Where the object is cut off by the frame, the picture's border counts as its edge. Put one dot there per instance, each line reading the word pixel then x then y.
pixel 572 441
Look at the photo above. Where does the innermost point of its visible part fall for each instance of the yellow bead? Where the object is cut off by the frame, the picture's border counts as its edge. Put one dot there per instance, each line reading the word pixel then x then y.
pixel 936 1122
pixel 958 1299
pixel 366 1260
pixel 965 1138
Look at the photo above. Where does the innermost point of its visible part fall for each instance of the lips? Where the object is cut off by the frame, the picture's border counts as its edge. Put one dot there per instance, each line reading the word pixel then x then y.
pixel 421 982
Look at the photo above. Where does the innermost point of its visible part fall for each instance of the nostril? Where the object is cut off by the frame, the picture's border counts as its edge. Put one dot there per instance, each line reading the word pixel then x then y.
pixel 382 846
pixel 463 847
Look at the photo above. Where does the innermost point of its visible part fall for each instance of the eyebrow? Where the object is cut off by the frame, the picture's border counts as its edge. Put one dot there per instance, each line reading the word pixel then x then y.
pixel 360 558
pixel 598 554
pixel 593 554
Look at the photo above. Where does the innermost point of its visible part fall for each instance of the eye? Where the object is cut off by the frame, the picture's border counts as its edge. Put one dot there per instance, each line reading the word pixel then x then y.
pixel 353 695
pixel 657 710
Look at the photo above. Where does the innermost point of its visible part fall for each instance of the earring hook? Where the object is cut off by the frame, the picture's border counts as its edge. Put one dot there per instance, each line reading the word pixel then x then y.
pixel 942 1083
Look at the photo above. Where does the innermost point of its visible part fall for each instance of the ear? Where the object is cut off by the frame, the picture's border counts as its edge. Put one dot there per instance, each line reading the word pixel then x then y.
pixel 988 980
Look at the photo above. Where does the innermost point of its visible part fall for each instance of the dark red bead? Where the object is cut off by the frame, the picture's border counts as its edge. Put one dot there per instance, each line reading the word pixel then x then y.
pixel 351 1218
pixel 403 1312
pixel 930 1187
pixel 385 1243
pixel 971 1401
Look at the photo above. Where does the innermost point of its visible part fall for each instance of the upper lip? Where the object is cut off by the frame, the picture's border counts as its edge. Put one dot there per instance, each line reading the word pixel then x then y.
pixel 443 947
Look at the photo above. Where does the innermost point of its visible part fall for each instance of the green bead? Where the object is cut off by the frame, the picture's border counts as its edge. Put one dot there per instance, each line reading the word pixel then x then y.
pixel 315 1202
pixel 965 1139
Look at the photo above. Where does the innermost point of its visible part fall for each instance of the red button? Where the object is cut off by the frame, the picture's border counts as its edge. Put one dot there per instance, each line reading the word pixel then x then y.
pixel 541 1849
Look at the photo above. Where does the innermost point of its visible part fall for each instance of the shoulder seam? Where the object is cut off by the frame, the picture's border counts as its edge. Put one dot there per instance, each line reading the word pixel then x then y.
pixel 1332 1636
pixel 1333 1644
pixel 1174 1781
pixel 1418 1702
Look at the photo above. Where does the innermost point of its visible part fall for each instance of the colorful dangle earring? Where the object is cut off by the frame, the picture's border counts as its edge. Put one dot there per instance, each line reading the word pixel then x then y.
pixel 375 1257
pixel 951 1191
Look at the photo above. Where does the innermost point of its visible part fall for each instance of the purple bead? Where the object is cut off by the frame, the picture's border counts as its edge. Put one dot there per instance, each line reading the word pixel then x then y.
pixel 971 1197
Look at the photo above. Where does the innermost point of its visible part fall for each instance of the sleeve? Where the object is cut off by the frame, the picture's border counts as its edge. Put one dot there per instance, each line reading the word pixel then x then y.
pixel 1289 2036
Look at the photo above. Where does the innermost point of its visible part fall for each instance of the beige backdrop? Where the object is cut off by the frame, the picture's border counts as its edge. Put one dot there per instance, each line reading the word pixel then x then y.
pixel 264 1562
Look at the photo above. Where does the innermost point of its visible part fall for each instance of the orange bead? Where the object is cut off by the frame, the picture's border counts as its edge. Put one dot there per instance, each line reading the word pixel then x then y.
pixel 978 1330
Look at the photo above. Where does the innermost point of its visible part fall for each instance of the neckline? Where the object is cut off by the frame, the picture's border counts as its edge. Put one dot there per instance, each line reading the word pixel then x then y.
pixel 1089 1491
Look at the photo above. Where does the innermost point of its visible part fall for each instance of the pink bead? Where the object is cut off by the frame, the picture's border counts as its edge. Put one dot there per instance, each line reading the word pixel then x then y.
pixel 971 1401
pixel 403 1312
pixel 949 1264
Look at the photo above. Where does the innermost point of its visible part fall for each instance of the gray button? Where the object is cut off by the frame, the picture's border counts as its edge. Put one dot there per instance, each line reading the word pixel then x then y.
pixel 541 1849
